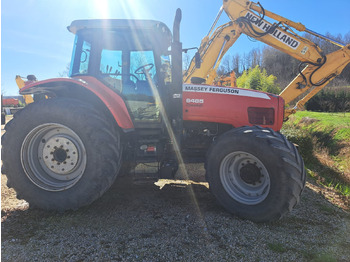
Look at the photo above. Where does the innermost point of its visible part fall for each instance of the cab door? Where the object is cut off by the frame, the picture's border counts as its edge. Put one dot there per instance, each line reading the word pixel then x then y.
pixel 140 86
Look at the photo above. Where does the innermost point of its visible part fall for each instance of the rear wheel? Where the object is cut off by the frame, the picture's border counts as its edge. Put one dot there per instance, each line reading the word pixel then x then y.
pixel 53 157
pixel 255 173
pixel 244 178
pixel 60 154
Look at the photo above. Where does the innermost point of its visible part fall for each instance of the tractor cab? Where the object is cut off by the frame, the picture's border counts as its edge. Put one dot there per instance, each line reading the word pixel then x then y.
pixel 138 60
pixel 131 57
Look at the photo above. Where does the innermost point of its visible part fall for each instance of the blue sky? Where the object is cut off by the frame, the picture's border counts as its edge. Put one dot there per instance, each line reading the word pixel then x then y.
pixel 34 38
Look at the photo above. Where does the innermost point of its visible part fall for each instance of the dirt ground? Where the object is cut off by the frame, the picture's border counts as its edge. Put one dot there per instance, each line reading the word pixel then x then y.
pixel 144 219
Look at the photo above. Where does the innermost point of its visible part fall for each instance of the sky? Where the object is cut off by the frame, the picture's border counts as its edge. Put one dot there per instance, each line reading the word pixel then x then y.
pixel 35 39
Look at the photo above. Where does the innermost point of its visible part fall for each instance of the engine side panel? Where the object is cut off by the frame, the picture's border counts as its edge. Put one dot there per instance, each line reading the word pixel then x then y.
pixel 229 105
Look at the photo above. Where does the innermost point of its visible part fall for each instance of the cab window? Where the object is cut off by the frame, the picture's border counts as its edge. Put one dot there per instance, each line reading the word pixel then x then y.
pixel 140 91
pixel 111 68
pixel 85 58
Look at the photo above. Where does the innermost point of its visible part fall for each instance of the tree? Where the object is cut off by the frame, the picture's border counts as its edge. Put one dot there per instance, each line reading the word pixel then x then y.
pixel 254 58
pixel 225 65
pixel 65 73
pixel 257 79
pixel 236 63
pixel 281 65
pixel 186 61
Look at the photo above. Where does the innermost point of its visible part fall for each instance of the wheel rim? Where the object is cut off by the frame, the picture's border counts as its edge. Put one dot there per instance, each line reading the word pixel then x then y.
pixel 244 178
pixel 53 157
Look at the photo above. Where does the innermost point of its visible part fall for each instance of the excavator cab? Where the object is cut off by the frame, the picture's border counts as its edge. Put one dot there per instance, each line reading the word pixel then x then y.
pixel 130 57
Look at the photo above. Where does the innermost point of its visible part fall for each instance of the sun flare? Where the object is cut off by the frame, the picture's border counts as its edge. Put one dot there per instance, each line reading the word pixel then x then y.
pixel 125 9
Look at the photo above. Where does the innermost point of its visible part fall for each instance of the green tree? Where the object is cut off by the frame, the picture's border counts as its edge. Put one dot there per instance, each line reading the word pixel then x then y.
pixel 20 104
pixel 257 79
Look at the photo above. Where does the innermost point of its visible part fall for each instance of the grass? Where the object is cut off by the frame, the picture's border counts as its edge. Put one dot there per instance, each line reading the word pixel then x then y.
pixel 322 257
pixel 277 247
pixel 324 143
pixel 328 122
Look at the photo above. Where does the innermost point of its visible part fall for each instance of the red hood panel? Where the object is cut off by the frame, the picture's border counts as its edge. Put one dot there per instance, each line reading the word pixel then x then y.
pixel 226 104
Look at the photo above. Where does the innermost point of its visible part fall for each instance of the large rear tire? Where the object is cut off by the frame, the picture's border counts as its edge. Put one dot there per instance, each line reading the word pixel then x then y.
pixel 60 154
pixel 255 173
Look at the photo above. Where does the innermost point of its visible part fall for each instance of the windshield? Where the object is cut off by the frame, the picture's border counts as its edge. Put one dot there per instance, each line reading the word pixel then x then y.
pixel 80 58
pixel 130 68
pixel 110 54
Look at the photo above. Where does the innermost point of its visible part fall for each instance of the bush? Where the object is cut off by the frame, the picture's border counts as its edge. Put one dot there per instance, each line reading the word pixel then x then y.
pixel 257 79
pixel 330 99
pixel 20 104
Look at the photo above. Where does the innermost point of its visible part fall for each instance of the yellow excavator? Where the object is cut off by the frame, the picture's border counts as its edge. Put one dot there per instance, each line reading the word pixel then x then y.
pixel 227 80
pixel 249 18
pixel 21 83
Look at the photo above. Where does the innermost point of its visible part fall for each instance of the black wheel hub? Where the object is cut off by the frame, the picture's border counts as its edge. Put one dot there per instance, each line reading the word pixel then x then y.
pixel 250 174
pixel 60 155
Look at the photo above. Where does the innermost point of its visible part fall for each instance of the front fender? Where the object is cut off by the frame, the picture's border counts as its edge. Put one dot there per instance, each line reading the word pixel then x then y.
pixel 113 102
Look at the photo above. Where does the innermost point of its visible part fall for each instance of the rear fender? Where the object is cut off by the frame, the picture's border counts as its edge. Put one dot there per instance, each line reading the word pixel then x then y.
pixel 84 88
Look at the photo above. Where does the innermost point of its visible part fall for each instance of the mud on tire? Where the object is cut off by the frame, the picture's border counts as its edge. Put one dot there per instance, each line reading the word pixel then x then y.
pixel 255 173
pixel 60 154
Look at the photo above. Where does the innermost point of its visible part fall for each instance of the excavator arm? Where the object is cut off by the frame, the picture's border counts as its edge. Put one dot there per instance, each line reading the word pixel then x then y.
pixel 315 77
pixel 319 69
pixel 212 49
pixel 249 18
pixel 21 83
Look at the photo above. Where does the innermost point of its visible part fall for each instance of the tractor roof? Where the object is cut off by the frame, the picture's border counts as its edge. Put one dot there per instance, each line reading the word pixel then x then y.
pixel 132 32
pixel 147 32
pixel 118 24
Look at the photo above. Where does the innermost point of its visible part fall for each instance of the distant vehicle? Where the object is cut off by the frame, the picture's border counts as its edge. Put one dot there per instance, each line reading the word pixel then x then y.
pixel 10 102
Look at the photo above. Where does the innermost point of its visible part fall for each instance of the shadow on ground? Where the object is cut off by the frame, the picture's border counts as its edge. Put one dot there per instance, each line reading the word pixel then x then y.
pixel 138 220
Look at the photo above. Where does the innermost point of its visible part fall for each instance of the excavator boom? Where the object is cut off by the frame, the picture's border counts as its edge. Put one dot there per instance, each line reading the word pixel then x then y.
pixel 212 49
pixel 249 18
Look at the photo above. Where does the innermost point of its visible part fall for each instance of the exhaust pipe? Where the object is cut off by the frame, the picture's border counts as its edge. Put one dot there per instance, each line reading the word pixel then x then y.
pixel 176 25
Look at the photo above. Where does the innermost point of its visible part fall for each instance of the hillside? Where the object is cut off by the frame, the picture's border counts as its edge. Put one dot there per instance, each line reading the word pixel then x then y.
pixel 324 142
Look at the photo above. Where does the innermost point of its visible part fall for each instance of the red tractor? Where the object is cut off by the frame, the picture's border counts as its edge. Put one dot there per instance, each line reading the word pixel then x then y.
pixel 125 103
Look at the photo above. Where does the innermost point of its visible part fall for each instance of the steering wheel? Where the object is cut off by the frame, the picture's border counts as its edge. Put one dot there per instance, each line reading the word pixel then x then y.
pixel 117 73
pixel 144 68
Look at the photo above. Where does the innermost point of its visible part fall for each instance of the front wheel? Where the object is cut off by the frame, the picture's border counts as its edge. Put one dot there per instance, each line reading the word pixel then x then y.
pixel 255 173
pixel 60 154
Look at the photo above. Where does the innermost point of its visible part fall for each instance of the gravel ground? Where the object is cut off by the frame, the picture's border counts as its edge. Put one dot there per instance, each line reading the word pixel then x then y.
pixel 142 219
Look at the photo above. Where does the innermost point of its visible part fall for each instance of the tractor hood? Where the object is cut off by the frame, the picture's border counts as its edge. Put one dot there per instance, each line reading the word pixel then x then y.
pixel 234 106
